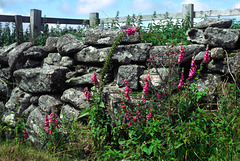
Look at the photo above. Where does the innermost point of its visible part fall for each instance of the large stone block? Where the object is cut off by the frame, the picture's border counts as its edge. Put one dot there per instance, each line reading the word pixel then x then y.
pixel 39 80
pixel 131 73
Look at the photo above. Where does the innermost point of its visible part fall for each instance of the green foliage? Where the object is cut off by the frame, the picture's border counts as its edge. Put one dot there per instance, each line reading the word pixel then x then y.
pixel 166 31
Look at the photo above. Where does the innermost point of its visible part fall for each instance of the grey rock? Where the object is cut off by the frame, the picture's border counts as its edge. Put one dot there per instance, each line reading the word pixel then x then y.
pixel 92 55
pixel 52 59
pixel 68 44
pixel 195 35
pixel 5 89
pixel 226 38
pixel 69 113
pixel 81 80
pixel 124 54
pixel 217 53
pixel 32 63
pixel 36 52
pixel 208 81
pixel 227 65
pixel 131 73
pixel 106 37
pixel 215 22
pixel 49 102
pixel 4 52
pixel 5 73
pixel 38 80
pixel 76 97
pixel 217 66
pixel 162 59
pixel 16 57
pixel 137 53
pixel 66 62
pixel 9 118
pixel 158 79
pixel 35 122
pixel 34 100
pixel 200 56
pixel 19 101
pixel 29 110
pixel 51 44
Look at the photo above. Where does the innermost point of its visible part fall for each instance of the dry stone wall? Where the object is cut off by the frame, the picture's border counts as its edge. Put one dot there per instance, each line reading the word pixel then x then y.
pixel 37 79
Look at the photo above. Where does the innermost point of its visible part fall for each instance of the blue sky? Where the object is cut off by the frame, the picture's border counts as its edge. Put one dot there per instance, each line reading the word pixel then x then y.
pixel 107 8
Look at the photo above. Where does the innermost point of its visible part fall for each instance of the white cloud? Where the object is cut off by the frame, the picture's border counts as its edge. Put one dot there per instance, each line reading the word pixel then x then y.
pixel 198 6
pixel 237 5
pixel 88 6
pixel 142 5
pixel 6 13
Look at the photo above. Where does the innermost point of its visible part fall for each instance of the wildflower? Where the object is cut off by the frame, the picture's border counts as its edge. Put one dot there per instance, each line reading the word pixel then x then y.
pixel 194 68
pixel 144 142
pixel 139 114
pixel 170 110
pixel 129 123
pixel 130 31
pixel 146 88
pixel 149 115
pixel 126 115
pixel 123 108
pixel 127 90
pixel 25 134
pixel 206 56
pixel 143 98
pixel 134 119
pixel 46 121
pixel 94 79
pixel 181 81
pixel 181 54
pixel 87 94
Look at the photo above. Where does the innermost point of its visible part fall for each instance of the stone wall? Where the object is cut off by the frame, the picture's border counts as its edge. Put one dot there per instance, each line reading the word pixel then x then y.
pixel 36 79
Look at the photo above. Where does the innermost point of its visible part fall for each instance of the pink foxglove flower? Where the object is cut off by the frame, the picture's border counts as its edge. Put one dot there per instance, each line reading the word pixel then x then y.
pixel 127 90
pixel 194 68
pixel 139 114
pixel 134 119
pixel 131 31
pixel 94 79
pixel 206 56
pixel 170 110
pixel 129 124
pixel 149 115
pixel 181 81
pixel 181 55
pixel 87 94
pixel 25 134
pixel 46 121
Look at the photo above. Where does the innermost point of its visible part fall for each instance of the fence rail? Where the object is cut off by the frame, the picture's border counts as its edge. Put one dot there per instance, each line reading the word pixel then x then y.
pixel 35 19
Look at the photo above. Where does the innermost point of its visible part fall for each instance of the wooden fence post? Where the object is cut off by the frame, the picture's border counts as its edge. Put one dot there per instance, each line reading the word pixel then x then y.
pixel 35 23
pixel 19 28
pixel 188 9
pixel 94 19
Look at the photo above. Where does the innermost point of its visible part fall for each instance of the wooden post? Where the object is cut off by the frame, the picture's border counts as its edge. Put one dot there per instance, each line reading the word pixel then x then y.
pixel 19 28
pixel 94 19
pixel 188 9
pixel 35 23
